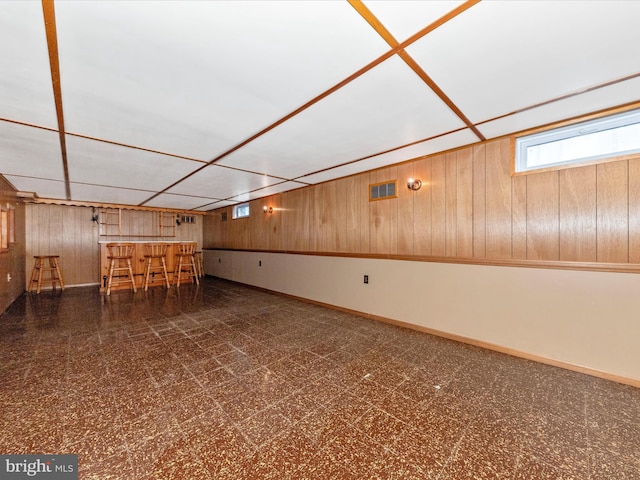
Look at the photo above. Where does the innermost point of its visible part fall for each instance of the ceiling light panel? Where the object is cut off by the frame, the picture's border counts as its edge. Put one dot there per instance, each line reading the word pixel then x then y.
pixel 98 193
pixel 403 18
pixel 499 57
pixel 113 165
pixel 42 187
pixel 220 182
pixel 30 151
pixel 585 103
pixel 435 145
pixel 387 107
pixel 25 84
pixel 196 78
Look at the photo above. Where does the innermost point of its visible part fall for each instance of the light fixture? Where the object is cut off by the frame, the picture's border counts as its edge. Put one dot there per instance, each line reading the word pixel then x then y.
pixel 178 220
pixel 266 209
pixel 94 215
pixel 414 184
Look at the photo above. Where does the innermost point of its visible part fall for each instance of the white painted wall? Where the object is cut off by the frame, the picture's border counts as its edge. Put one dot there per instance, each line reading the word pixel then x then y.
pixel 587 319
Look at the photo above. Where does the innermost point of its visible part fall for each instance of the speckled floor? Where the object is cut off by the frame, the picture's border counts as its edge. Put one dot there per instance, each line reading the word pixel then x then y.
pixel 226 382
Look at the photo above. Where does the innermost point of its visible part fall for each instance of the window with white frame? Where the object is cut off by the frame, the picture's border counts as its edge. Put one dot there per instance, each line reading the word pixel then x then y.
pixel 241 210
pixel 592 140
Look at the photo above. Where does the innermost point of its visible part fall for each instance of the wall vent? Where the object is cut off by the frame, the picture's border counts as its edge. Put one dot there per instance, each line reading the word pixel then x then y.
pixel 223 217
pixel 382 191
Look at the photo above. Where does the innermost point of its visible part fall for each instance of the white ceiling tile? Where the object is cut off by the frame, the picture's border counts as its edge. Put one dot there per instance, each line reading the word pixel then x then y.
pixel 279 188
pixel 195 78
pixel 92 193
pixel 499 57
pixel 404 18
pixel 214 205
pixel 219 182
pixel 30 151
pixel 102 163
pixel 387 107
pixel 445 142
pixel 26 94
pixel 613 95
pixel 185 202
pixel 42 187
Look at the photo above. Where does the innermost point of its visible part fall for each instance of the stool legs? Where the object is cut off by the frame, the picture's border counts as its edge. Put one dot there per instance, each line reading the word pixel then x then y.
pixel 128 269
pixel 147 271
pixel 39 268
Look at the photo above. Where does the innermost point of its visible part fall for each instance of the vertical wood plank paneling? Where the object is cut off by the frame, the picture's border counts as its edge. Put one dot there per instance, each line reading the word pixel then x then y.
pixel 384 216
pixel 634 211
pixel 498 199
pixel 543 226
pixel 365 212
pixel 422 208
pixel 296 220
pixel 578 214
pixel 406 215
pixel 464 203
pixel 450 207
pixel 438 205
pixel 323 208
pixel 613 212
pixel 352 214
pixel 519 217
pixel 340 215
pixel 479 200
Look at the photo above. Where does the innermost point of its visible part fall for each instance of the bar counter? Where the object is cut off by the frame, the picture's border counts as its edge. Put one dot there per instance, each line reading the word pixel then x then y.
pixel 137 263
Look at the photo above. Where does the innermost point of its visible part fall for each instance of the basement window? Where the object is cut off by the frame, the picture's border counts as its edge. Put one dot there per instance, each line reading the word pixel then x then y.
pixel 241 210
pixel 382 191
pixel 593 140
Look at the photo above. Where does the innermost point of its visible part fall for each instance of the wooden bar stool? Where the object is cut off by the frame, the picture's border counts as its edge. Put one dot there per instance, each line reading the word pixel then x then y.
pixel 185 263
pixel 52 272
pixel 155 252
pixel 119 253
pixel 197 256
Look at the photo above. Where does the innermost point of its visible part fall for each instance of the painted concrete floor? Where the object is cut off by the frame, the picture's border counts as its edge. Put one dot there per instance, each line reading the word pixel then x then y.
pixel 226 382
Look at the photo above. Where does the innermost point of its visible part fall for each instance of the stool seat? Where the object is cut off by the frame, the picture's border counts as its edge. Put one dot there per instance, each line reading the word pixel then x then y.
pixel 155 252
pixel 53 275
pixel 185 263
pixel 120 253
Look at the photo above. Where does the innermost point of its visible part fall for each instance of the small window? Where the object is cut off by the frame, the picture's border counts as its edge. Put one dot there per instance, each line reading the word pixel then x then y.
pixel 381 191
pixel 241 210
pixel 187 219
pixel 597 139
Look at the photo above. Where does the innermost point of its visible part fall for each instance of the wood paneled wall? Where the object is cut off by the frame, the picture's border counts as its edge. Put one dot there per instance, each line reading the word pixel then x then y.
pixel 12 260
pixel 69 232
pixel 470 206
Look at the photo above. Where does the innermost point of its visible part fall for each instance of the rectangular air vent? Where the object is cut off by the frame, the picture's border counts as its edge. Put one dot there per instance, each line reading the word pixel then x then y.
pixel 188 219
pixel 381 191
pixel 223 217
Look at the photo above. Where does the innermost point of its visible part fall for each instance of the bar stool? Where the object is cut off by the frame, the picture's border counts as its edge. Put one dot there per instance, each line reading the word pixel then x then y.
pixel 118 253
pixel 185 261
pixel 197 256
pixel 39 269
pixel 158 252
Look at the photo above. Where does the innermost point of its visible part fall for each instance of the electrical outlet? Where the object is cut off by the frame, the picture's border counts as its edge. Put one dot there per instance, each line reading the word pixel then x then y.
pixel 8 277
pixel 259 263
pixel 366 279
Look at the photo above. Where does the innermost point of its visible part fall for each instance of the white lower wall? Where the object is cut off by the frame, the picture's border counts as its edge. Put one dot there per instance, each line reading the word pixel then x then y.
pixel 586 319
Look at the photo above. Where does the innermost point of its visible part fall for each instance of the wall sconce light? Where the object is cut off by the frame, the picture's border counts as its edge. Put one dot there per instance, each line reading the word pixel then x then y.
pixel 178 222
pixel 94 215
pixel 414 184
pixel 266 209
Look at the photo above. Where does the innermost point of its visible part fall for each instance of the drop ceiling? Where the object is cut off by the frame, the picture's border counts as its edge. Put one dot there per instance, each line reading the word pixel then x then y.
pixel 199 105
